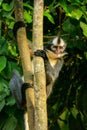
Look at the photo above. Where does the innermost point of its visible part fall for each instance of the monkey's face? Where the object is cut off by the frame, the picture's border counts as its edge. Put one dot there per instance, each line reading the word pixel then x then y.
pixel 57 47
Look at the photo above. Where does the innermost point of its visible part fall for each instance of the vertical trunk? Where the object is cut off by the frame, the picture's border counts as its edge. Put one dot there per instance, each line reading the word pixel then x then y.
pixel 39 80
pixel 26 62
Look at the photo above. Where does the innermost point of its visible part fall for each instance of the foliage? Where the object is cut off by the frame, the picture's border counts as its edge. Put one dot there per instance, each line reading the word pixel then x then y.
pixel 67 106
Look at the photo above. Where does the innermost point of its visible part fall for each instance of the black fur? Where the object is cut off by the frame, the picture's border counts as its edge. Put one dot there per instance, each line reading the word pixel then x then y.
pixel 23 89
pixel 17 25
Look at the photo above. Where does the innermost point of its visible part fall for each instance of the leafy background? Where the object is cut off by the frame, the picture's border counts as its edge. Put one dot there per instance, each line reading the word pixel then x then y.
pixel 67 105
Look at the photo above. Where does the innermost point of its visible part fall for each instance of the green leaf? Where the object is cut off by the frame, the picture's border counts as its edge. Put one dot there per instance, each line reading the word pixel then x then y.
pixel 85 53
pixel 2 95
pixel 28 6
pixel 3 61
pixel 49 16
pixel 10 123
pixel 12 50
pixel 4 90
pixel 68 27
pixel 27 17
pixel 2 104
pixel 76 13
pixel 10 101
pixel 1 2
pixel 10 66
pixel 8 7
pixel 52 8
pixel 74 112
pixel 3 46
pixel 74 1
pixel 62 117
pixel 64 6
pixel 84 28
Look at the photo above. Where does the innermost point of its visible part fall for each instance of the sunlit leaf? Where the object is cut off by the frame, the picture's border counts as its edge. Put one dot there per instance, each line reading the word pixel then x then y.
pixel 84 28
pixel 1 2
pixel 27 17
pixel 76 13
pixel 12 50
pixel 49 16
pixel 62 117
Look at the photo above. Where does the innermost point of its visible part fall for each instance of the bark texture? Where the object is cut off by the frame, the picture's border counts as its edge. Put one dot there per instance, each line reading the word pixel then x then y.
pixel 39 79
pixel 26 61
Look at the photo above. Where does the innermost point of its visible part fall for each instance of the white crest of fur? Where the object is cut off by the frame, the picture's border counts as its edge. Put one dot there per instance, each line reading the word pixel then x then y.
pixel 55 40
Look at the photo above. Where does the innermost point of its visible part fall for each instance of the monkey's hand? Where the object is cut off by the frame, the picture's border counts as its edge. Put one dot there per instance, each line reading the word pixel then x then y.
pixel 40 53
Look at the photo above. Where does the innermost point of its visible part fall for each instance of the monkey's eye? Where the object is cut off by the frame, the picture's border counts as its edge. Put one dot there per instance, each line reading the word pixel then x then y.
pixel 54 47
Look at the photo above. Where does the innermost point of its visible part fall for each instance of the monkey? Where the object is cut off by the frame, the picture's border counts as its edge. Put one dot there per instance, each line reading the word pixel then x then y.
pixel 53 61
pixel 52 55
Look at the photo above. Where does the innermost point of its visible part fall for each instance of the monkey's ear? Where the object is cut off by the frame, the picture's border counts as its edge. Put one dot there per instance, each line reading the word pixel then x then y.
pixel 17 25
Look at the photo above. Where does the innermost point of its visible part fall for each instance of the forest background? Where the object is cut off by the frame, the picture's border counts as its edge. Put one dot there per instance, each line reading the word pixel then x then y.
pixel 67 105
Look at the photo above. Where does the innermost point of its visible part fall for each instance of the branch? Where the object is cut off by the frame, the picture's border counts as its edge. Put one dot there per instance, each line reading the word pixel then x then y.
pixel 26 61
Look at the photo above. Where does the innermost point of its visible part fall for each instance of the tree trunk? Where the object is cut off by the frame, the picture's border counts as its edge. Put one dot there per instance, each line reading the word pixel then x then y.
pixel 26 61
pixel 39 79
